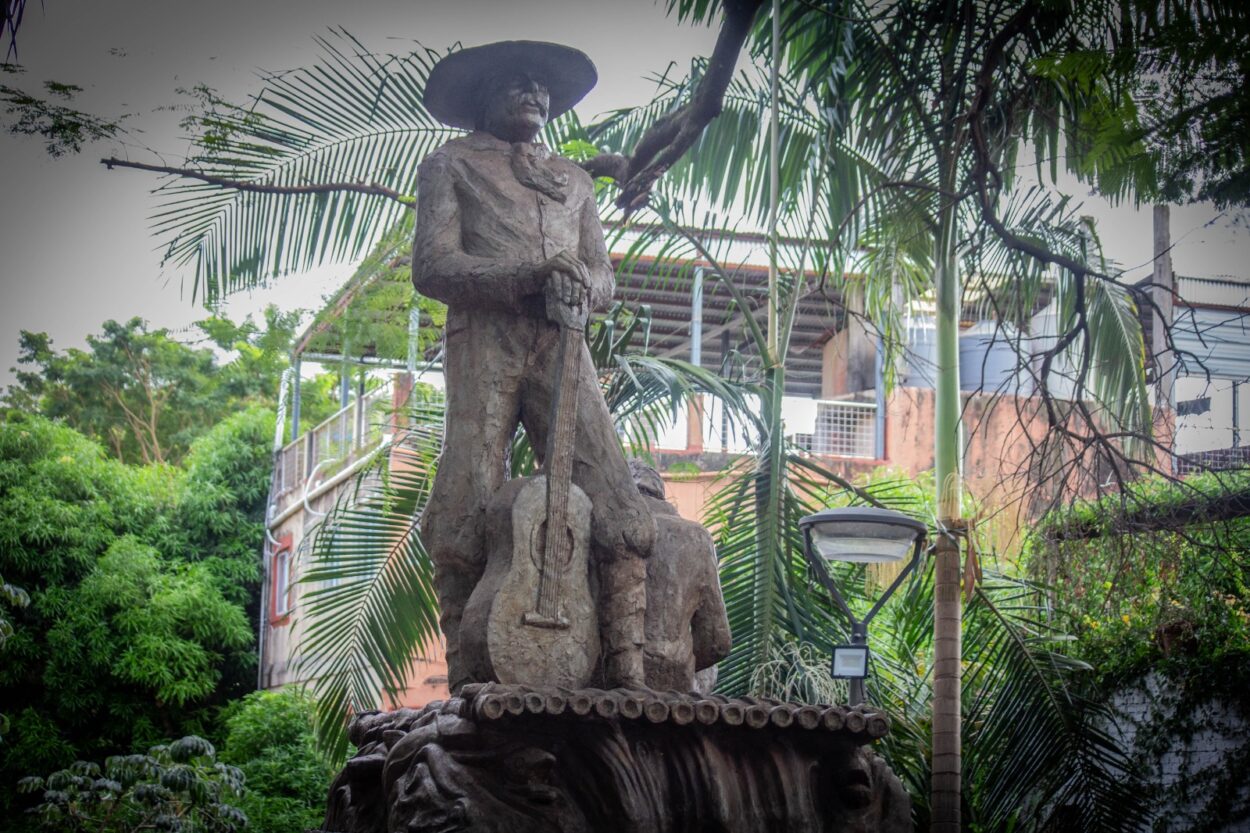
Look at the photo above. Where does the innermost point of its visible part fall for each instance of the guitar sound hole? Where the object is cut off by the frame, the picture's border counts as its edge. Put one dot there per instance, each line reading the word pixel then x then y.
pixel 538 547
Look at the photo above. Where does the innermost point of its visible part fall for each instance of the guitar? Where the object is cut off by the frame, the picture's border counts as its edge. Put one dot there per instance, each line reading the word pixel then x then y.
pixel 532 619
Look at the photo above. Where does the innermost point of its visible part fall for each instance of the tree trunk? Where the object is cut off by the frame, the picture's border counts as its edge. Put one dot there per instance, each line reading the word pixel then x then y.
pixel 945 797
pixel 947 648
pixel 772 468
pixel 770 485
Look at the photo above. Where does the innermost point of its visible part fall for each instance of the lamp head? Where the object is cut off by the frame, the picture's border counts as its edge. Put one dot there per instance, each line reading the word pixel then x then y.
pixel 850 662
pixel 861 535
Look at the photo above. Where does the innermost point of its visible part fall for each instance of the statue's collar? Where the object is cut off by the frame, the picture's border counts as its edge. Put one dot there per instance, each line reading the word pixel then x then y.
pixel 481 140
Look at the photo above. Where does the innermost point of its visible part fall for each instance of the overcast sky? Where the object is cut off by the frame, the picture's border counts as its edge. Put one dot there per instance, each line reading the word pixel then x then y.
pixel 75 248
pixel 74 244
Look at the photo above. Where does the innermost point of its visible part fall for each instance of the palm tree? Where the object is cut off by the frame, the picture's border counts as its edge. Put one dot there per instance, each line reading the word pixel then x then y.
pixel 764 575
pixel 940 96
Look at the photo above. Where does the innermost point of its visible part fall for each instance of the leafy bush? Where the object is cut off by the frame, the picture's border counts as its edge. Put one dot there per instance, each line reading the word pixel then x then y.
pixel 139 581
pixel 218 515
pixel 1154 581
pixel 10 596
pixel 269 736
pixel 1158 585
pixel 180 788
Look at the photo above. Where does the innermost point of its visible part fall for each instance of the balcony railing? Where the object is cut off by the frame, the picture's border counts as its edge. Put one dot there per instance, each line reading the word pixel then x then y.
pixel 844 428
pixel 341 438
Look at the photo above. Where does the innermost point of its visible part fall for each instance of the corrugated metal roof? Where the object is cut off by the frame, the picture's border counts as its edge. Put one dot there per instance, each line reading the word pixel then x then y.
pixel 1219 292
pixel 1214 341
pixel 667 292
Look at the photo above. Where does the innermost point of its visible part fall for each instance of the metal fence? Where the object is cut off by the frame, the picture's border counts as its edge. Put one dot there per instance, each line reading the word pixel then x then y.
pixel 1219 459
pixel 845 429
pixel 289 468
pixel 334 443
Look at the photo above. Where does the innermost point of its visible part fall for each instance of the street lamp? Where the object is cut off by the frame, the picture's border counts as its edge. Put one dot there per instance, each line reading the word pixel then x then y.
pixel 861 536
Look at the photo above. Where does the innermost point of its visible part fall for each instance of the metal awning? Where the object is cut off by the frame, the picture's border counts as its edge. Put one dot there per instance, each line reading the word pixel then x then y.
pixel 669 294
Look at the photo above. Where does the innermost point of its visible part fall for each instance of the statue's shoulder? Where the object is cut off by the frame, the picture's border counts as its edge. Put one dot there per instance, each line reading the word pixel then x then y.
pixel 575 171
pixel 452 149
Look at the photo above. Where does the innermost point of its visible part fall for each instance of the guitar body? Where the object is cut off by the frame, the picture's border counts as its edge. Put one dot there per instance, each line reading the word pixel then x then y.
pixel 531 618
pixel 501 637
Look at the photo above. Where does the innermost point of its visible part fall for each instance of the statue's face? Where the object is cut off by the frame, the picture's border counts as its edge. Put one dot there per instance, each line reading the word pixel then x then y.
pixel 516 108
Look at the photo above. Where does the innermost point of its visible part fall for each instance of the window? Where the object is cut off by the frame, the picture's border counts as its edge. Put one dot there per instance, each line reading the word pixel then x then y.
pixel 281 580
pixel 1190 407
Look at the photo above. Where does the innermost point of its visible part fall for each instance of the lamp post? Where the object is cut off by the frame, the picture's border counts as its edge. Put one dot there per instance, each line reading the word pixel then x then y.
pixel 861 536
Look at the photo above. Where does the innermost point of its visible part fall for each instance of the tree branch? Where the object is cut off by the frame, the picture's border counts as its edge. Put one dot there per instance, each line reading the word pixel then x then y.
pixel 367 188
pixel 668 139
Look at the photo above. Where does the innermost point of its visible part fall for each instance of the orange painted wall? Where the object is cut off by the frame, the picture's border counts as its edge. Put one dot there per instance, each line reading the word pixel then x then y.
pixel 1000 435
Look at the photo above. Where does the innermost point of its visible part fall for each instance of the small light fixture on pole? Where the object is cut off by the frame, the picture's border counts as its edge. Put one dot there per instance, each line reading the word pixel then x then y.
pixel 859 535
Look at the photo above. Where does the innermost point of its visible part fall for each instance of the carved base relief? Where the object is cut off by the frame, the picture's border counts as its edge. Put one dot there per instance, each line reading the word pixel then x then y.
pixel 521 759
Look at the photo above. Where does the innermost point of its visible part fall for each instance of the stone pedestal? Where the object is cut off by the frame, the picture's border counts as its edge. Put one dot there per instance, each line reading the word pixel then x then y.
pixel 517 759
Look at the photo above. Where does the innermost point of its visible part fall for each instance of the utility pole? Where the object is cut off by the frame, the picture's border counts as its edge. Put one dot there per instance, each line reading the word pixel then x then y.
pixel 1162 293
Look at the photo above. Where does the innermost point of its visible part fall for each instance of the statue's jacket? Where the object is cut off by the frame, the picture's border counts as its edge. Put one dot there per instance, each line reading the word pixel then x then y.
pixel 481 231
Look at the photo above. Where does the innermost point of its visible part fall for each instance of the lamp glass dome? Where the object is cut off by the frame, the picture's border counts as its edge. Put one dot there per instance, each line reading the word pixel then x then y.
pixel 862 536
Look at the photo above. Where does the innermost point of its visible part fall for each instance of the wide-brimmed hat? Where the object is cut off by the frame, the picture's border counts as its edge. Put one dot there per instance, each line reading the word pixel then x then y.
pixel 453 95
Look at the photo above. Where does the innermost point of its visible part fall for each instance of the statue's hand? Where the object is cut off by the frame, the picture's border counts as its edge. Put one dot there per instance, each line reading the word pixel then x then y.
pixel 566 280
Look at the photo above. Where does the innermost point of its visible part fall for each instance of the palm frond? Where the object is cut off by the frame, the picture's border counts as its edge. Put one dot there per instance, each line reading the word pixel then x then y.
pixel 369 605
pixel 1039 755
pixel 1118 359
pixel 354 117
pixel 645 394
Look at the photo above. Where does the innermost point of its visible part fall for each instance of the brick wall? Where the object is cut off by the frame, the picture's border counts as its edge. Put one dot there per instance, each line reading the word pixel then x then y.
pixel 1187 765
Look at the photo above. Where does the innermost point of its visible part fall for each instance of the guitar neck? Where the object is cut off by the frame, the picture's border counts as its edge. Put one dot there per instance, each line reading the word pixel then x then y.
pixel 560 440
pixel 563 431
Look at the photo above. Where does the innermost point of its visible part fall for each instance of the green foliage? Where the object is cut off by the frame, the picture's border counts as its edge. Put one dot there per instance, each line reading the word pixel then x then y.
pixel 319 399
pixel 269 736
pixel 132 651
pixel 1185 63
pixel 1035 749
pixel 145 395
pixel 900 127
pixel 1147 504
pixel 62 502
pixel 370 314
pixel 63 129
pixel 1156 584
pixel 179 787
pixel 218 518
pixel 156 627
pixel 138 580
pixel 11 596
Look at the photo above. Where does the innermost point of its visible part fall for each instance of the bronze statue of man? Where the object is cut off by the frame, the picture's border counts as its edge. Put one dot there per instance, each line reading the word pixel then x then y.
pixel 501 224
